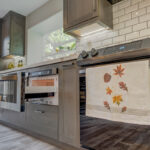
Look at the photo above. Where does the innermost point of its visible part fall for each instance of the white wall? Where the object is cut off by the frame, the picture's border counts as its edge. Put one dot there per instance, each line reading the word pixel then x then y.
pixel 37 24
pixel 35 47
pixel 47 10
pixel 36 37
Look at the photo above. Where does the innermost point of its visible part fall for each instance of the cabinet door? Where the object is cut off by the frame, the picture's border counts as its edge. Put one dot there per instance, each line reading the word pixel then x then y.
pixel 17 35
pixel 42 119
pixel 78 11
pixel 14 118
pixel 5 36
pixel 69 106
pixel 0 34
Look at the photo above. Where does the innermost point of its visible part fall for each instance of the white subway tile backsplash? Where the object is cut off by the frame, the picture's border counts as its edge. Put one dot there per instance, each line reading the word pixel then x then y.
pixel 133 2
pixel 111 34
pixel 125 17
pixel 118 39
pixel 97 45
pixel 145 32
pixel 144 3
pixel 118 13
pixel 116 20
pixel 119 26
pixel 149 24
pixel 145 18
pixel 139 12
pixel 131 8
pixel 131 21
pixel 140 26
pixel 107 42
pixel 148 9
pixel 124 4
pixel 125 30
pixel 115 8
pixel 132 36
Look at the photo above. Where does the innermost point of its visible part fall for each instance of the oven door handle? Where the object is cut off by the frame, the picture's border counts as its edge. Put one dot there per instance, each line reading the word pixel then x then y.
pixel 39 111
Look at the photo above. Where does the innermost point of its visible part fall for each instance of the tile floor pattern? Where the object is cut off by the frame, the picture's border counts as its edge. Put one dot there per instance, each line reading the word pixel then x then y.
pixel 14 140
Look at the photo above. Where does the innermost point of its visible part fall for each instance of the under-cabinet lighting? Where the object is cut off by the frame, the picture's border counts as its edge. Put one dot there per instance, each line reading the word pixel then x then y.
pixel 90 29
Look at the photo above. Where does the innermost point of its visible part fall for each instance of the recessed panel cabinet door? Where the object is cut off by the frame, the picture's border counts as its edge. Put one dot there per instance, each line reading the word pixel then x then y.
pixel 5 36
pixel 17 35
pixel 77 11
pixel 13 35
pixel 69 106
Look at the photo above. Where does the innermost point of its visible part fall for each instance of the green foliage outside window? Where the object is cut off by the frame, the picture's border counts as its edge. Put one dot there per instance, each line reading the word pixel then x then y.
pixel 58 41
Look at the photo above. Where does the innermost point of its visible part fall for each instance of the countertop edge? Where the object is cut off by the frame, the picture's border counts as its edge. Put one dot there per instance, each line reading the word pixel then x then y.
pixel 49 62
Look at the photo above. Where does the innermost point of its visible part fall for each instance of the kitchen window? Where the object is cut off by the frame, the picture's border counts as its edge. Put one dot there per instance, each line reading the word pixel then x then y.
pixel 57 42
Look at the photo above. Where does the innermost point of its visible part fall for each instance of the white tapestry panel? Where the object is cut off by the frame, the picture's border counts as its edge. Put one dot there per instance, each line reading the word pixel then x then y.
pixel 119 92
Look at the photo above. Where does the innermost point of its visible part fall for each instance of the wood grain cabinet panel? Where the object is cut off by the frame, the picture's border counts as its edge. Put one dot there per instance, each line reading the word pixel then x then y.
pixel 69 130
pixel 82 16
pixel 78 11
pixel 13 35
pixel 5 36
pixel 1 34
pixel 42 119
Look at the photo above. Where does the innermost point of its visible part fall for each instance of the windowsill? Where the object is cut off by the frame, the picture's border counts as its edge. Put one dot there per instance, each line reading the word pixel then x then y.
pixel 60 55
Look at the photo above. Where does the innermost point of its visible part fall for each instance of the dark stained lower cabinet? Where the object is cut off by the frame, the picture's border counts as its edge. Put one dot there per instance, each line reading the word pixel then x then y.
pixel 69 106
pixel 42 119
pixel 56 122
pixel 38 119
pixel 13 117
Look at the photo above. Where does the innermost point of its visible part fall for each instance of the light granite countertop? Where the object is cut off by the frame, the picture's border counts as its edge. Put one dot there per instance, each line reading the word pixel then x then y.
pixel 58 60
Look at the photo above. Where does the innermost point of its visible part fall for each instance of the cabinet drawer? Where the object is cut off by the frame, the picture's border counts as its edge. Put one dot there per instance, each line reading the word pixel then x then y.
pixel 42 119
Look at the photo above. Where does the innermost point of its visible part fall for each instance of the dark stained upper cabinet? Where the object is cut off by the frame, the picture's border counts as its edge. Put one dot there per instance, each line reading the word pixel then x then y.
pixel 114 1
pixel 0 34
pixel 13 35
pixel 80 13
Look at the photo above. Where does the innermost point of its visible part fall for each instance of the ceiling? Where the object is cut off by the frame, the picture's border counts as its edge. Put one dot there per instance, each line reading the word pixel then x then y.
pixel 114 1
pixel 24 7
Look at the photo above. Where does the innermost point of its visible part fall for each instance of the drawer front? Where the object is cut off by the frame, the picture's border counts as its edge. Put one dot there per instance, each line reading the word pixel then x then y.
pixel 13 117
pixel 42 119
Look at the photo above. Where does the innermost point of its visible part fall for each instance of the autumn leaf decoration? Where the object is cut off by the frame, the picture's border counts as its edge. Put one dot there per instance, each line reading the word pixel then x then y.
pixel 107 77
pixel 117 99
pixel 123 86
pixel 108 91
pixel 124 109
pixel 119 71
pixel 106 104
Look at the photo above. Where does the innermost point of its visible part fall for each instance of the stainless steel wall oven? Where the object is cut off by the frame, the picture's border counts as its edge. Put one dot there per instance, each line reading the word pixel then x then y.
pixel 42 87
pixel 12 91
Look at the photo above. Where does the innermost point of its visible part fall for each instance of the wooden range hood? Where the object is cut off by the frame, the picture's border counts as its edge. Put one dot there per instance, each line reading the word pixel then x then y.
pixel 85 17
